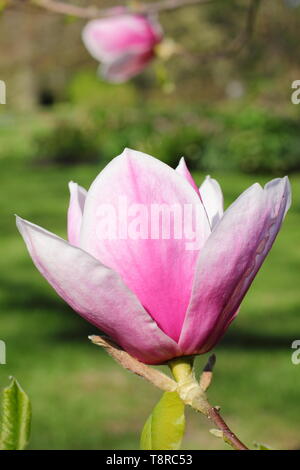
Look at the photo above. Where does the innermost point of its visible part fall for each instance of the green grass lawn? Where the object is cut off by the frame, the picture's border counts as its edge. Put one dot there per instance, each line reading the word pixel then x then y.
pixel 81 398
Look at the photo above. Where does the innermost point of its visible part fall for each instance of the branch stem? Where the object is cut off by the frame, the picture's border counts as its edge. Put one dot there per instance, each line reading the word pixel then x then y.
pixel 228 436
pixel 185 384
pixel 192 394
pixel 90 12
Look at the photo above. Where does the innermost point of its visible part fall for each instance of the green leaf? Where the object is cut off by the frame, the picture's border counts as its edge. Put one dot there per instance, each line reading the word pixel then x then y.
pixel 16 418
pixel 165 426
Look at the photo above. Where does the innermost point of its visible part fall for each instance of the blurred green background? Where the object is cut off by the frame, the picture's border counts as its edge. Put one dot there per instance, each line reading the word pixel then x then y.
pixel 231 117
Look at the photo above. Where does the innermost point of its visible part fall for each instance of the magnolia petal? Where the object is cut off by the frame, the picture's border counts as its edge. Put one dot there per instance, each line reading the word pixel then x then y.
pixel 183 170
pixel 98 294
pixel 75 212
pixel 230 260
pixel 125 67
pixel 156 265
pixel 107 39
pixel 212 197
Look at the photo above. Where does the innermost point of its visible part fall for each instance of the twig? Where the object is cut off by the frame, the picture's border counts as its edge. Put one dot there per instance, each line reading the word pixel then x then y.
pixel 73 10
pixel 240 41
pixel 165 5
pixel 228 436
pixel 154 376
pixel 192 394
pixel 247 34
pixel 91 12
pixel 186 385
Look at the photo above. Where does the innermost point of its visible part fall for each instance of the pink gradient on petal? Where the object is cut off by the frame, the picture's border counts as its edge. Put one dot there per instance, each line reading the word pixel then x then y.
pixel 126 67
pixel 109 38
pixel 154 297
pixel 230 260
pixel 159 271
pixel 98 294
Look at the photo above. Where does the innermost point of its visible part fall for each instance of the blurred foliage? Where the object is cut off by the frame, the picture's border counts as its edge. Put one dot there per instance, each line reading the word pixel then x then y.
pixel 97 125
pixel 254 141
pixel 65 144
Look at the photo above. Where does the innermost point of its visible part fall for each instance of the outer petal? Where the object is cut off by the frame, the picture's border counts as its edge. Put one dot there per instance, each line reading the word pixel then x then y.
pixel 109 38
pixel 125 67
pixel 154 264
pixel 212 197
pixel 98 294
pixel 183 170
pixel 230 260
pixel 75 212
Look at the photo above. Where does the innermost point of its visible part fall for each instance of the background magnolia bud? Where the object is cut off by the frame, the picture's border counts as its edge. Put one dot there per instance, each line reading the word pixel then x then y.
pixel 124 44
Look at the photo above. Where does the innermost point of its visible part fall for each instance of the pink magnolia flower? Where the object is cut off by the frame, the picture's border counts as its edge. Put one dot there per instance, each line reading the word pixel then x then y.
pixel 124 44
pixel 153 296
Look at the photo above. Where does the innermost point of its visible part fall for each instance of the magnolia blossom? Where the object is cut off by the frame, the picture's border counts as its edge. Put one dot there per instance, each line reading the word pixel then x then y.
pixel 153 296
pixel 124 44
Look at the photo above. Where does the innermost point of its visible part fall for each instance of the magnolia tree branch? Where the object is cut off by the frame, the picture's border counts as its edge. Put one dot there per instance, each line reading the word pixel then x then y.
pixel 238 44
pixel 165 5
pixel 91 12
pixel 190 391
pixel 223 430
pixel 226 434
pixel 156 377
pixel 214 413
pixel 248 31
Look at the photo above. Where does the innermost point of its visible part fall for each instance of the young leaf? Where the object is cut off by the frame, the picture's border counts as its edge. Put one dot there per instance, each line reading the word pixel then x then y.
pixel 165 426
pixel 16 418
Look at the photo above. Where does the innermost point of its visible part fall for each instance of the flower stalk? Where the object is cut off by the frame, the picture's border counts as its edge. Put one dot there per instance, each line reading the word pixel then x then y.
pixel 188 388
pixel 192 394
pixel 185 384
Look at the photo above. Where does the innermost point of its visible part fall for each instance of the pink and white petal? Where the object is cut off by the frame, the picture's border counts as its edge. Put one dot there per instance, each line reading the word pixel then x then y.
pixel 125 67
pixel 98 294
pixel 212 197
pixel 108 39
pixel 157 264
pixel 75 212
pixel 183 170
pixel 230 260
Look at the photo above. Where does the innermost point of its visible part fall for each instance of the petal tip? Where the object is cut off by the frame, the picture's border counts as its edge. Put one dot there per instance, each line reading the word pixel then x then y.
pixel 182 161
pixel 128 152
pixel 22 226
pixel 22 223
pixel 71 185
pixel 19 221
